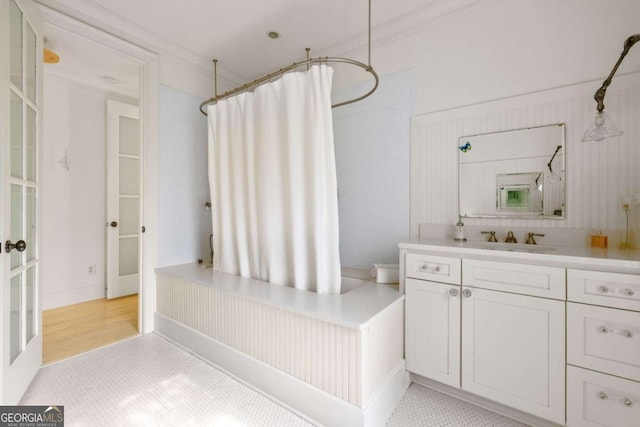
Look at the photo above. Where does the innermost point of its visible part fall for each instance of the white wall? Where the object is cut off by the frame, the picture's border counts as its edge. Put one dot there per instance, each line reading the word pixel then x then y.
pixel 372 162
pixel 73 220
pixel 513 48
pixel 183 187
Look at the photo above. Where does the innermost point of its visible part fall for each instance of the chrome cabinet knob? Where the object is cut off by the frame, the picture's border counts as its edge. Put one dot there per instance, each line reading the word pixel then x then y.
pixel 603 289
pixel 453 292
pixel 629 292
pixel 437 268
pixel 627 402
pixel 466 293
pixel 603 396
pixel 627 333
pixel 603 329
pixel 114 224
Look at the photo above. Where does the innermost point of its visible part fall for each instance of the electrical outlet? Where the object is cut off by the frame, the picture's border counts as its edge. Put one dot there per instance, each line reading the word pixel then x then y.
pixel 91 271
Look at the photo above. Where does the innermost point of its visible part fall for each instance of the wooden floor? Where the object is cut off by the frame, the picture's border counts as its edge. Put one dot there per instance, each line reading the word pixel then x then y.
pixel 78 328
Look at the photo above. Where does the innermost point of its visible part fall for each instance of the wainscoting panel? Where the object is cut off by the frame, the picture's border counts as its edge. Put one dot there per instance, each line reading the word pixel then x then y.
pixel 348 363
pixel 599 174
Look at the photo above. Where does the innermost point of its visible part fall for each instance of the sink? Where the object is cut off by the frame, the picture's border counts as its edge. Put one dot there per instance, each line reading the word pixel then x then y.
pixel 511 247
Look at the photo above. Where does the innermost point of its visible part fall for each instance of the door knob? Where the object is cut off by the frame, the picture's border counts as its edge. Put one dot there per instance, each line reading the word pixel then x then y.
pixel 20 246
pixel 114 224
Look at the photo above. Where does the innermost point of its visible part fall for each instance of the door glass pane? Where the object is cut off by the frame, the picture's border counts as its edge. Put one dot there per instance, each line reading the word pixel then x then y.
pixel 15 319
pixel 16 223
pixel 30 325
pixel 31 63
pixel 129 216
pixel 15 40
pixel 16 136
pixel 129 136
pixel 30 238
pixel 31 144
pixel 128 255
pixel 129 176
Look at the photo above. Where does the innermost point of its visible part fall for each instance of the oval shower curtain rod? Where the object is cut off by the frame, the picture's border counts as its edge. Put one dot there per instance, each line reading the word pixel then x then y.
pixel 308 62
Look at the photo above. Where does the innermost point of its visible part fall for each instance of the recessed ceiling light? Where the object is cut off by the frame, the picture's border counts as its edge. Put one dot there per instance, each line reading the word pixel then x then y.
pixel 273 34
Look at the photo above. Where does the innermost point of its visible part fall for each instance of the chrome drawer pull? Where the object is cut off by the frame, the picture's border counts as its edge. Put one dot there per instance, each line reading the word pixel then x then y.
pixel 603 289
pixel 603 396
pixel 453 292
pixel 629 292
pixel 628 403
pixel 603 329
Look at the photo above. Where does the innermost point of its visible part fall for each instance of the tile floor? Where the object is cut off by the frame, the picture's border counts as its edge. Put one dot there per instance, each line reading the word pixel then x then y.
pixel 148 381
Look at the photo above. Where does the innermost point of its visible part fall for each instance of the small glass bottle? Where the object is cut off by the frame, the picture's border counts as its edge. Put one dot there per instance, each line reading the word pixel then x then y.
pixel 459 234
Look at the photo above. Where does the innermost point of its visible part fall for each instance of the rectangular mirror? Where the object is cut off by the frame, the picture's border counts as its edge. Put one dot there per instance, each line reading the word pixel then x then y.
pixel 513 174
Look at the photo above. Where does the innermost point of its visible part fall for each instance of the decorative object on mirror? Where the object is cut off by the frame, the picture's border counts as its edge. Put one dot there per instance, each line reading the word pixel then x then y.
pixel 459 235
pixel 604 127
pixel 517 173
pixel 466 147
pixel 492 236
pixel 599 240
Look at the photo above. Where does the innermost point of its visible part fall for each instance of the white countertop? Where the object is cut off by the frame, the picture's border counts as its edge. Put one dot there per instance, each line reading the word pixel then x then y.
pixel 352 309
pixel 623 261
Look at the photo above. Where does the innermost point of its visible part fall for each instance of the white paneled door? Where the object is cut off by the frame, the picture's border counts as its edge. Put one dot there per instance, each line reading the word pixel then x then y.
pixel 20 119
pixel 124 184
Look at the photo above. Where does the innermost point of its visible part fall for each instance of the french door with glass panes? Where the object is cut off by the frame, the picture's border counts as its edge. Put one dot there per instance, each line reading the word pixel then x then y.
pixel 20 119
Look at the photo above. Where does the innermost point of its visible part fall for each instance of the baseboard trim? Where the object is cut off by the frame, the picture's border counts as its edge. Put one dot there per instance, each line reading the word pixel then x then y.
pixel 489 405
pixel 72 296
pixel 311 403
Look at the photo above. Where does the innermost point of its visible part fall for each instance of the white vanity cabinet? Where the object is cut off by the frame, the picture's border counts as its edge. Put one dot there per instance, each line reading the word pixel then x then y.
pixel 603 346
pixel 464 330
pixel 513 350
pixel 432 320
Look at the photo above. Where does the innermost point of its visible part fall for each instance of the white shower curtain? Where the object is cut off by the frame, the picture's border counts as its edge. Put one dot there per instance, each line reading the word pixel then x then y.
pixel 273 183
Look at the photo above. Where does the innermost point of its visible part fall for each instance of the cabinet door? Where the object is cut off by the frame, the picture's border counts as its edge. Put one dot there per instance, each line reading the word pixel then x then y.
pixel 432 342
pixel 513 351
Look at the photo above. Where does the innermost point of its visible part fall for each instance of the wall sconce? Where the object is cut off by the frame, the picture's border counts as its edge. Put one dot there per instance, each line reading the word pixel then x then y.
pixel 604 127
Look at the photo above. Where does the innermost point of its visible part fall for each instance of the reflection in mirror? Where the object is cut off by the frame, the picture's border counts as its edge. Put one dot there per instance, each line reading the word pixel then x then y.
pixel 513 174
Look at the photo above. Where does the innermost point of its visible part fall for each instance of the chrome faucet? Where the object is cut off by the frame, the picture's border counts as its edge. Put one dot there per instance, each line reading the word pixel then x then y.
pixel 492 236
pixel 510 238
pixel 531 240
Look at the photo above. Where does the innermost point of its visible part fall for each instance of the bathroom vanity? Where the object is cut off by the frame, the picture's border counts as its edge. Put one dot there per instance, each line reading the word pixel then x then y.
pixel 552 332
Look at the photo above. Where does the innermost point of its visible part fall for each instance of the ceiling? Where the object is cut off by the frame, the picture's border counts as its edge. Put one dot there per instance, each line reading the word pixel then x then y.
pixel 92 64
pixel 235 32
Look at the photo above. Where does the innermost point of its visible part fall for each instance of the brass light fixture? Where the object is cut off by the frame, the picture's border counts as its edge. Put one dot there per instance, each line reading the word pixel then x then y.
pixel 604 127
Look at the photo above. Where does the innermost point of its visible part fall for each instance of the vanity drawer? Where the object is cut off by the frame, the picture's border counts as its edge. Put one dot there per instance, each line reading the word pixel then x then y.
pixel 608 289
pixel 431 267
pixel 535 280
pixel 595 399
pixel 604 339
